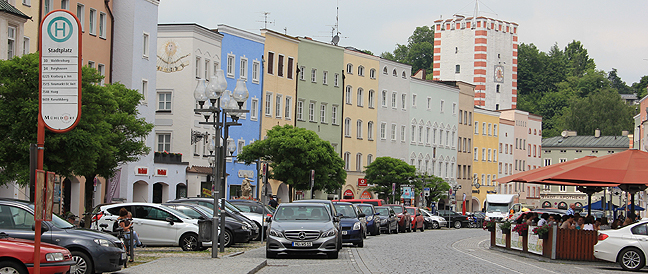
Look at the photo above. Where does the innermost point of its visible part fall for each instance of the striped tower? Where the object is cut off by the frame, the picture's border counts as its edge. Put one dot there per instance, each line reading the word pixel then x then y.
pixel 482 51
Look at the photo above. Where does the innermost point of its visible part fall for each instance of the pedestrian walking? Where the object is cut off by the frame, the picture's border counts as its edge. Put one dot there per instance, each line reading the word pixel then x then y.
pixel 273 203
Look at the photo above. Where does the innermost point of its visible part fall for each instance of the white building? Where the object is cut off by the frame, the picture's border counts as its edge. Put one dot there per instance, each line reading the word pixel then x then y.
pixel 392 120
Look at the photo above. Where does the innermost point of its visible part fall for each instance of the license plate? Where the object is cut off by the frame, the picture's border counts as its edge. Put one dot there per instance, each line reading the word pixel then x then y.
pixel 123 257
pixel 302 244
pixel 344 232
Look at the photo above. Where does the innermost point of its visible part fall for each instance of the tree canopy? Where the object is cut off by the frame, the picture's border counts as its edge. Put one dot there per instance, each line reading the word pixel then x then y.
pixel 384 171
pixel 292 153
pixel 419 51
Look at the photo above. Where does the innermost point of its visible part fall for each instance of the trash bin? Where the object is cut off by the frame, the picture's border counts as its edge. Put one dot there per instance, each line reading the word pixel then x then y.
pixel 204 230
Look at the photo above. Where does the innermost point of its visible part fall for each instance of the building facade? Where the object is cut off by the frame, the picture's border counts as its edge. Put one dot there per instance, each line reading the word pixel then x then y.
pixel 485 153
pixel 392 120
pixel 14 26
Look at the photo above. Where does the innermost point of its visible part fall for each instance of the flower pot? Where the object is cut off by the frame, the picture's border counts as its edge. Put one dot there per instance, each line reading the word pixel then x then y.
pixel 543 236
pixel 523 233
pixel 506 231
pixel 490 229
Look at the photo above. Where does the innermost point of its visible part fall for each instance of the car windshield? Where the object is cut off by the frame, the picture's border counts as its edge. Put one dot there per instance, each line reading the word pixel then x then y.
pixel 498 208
pixel 232 207
pixel 425 212
pixel 347 211
pixel 206 210
pixel 367 210
pixel 301 213
pixel 411 211
pixel 397 209
pixel 383 211
pixel 177 213
pixel 60 223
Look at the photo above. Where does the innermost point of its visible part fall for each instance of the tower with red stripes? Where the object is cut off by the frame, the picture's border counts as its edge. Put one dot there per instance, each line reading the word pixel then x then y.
pixel 482 51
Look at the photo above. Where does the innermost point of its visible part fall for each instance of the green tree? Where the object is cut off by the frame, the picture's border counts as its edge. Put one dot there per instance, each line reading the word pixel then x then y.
pixel 602 109
pixel 292 153
pixel 108 134
pixel 419 51
pixel 385 171
pixel 640 87
pixel 578 61
pixel 438 187
pixel 617 83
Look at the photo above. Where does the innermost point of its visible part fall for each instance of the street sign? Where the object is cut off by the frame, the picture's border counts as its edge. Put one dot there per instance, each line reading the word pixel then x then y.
pixel 60 71
pixel 362 182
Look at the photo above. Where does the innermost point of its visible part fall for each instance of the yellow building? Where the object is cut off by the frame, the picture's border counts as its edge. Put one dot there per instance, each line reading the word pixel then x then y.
pixel 280 72
pixel 360 114
pixel 485 157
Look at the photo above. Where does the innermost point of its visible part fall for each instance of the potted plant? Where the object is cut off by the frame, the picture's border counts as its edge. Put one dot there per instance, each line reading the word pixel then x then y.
pixel 542 231
pixel 506 227
pixel 521 229
pixel 489 225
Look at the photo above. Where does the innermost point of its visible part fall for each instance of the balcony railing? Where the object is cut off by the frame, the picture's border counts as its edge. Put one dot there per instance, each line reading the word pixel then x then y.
pixel 167 158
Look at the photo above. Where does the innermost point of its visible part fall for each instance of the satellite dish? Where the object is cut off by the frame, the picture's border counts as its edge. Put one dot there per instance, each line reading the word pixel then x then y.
pixel 336 39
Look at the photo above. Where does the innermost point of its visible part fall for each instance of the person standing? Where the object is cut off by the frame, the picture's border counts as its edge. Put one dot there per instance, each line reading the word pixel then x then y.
pixel 571 209
pixel 273 203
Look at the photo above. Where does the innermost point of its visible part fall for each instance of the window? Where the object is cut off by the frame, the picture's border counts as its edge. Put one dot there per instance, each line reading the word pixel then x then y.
pixel 290 67
pixel 256 68
pixel 101 68
pixel 164 101
pixel 347 127
pixel 92 21
pixel 393 132
pixel 334 115
pixel 206 69
pixel 360 98
pixel 271 63
pixel 489 129
pixel 348 98
pixel 198 67
pixel 454 108
pixel 371 99
pixel 495 130
pixel 369 159
pixel 144 90
pixel 413 100
pixel 280 66
pixel 497 88
pixel 394 73
pixel 393 100
pixel 383 98
pixel 476 127
pixel 80 14
pixel 413 133
pixel 323 113
pixel 11 44
pixel 460 115
pixel 91 64
pixel 311 111
pixel 359 129
pixel 404 75
pixel 65 4
pixel 243 68
pixel 300 110
pixel 254 108
pixel 360 71
pixel 301 72
pixel 372 75
pixel 25 45
pixel 457 68
pixel 47 6
pixel 102 25
pixel 441 106
pixel 230 66
pixel 314 75
pixel 347 158
pixel 402 133
pixel 349 68
pixel 164 142
pixel 429 103
pixel 15 218
pixel 359 162
pixel 336 80
pixel 403 101
pixel 287 112
pixel 268 104
pixel 476 154
pixel 370 130
pixel 483 128
pixel 383 129
pixel 483 154
pixel 145 45
pixel 325 77
pixel 278 109
pixel 489 155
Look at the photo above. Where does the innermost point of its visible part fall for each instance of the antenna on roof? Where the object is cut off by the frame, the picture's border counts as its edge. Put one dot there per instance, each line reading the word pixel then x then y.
pixel 335 32
pixel 265 20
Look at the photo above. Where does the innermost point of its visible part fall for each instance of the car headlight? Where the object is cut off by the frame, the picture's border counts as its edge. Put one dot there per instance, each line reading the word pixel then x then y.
pixel 104 242
pixel 356 226
pixel 369 218
pixel 245 227
pixel 383 221
pixel 275 233
pixel 442 219
pixel 329 233
pixel 53 257
pixel 428 219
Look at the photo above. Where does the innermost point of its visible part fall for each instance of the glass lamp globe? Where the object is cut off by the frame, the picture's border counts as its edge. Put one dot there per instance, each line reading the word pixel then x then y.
pixel 241 93
pixel 225 99
pixel 212 145
pixel 231 145
pixel 213 88
pixel 199 92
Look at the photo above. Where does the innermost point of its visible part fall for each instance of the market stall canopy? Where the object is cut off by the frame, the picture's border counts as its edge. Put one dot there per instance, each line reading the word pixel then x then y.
pixel 545 171
pixel 636 208
pixel 599 206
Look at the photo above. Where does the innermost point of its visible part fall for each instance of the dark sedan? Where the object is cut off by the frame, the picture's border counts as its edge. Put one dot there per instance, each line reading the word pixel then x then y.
pixel 352 231
pixel 373 226
pixel 388 219
pixel 454 219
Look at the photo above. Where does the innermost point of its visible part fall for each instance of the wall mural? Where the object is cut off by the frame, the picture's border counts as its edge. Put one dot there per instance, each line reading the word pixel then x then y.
pixel 170 58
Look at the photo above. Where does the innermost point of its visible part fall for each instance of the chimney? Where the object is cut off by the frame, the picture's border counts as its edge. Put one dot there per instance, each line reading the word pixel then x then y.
pixel 597 133
pixel 624 133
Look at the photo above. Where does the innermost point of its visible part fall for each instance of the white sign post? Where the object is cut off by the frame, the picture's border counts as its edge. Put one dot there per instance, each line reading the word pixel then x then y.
pixel 60 71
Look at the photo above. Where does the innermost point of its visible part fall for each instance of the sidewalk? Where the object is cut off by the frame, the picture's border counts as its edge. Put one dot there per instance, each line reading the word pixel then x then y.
pixel 247 263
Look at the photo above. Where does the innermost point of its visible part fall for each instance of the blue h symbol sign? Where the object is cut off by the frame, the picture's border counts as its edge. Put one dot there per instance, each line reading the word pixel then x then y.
pixel 58 28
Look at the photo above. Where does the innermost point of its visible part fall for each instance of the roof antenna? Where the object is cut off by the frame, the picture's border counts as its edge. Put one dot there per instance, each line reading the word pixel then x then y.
pixel 265 20
pixel 335 32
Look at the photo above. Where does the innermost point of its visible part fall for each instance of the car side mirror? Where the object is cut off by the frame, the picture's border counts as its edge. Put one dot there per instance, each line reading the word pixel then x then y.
pixel 377 213
pixel 103 225
pixel 268 219
pixel 44 228
pixel 170 220
pixel 361 215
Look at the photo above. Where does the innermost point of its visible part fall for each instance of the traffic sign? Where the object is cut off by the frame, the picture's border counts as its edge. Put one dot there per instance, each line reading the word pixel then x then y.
pixel 60 71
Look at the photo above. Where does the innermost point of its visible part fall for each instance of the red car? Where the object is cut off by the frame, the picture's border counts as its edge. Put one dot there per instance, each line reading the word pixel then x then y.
pixel 17 256
pixel 418 222
pixel 404 219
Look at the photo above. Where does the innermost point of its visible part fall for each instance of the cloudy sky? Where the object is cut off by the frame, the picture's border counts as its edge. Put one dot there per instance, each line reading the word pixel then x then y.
pixel 613 32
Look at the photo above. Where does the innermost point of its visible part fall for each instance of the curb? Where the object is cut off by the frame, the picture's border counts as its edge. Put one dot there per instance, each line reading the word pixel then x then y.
pixel 258 267
pixel 548 260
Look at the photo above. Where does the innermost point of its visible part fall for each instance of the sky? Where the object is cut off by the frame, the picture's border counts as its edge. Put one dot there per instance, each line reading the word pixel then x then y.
pixel 613 32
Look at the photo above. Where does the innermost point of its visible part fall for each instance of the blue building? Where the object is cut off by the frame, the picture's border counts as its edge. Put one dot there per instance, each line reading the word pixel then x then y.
pixel 242 58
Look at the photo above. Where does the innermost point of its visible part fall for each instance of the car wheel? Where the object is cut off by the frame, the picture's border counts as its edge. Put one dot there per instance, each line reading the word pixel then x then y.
pixel 12 267
pixel 377 230
pixel 228 238
pixel 435 225
pixel 332 255
pixel 189 242
pixel 631 259
pixel 82 263
pixel 271 255
pixel 361 244
pixel 457 224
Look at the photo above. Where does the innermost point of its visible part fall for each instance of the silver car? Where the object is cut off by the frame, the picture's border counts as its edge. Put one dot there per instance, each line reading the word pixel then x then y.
pixel 433 221
pixel 302 228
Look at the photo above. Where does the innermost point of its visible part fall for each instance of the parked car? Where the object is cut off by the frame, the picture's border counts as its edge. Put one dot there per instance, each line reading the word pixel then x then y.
pixel 230 210
pixel 388 219
pixel 626 246
pixel 92 251
pixel 235 231
pixel 331 210
pixel 156 225
pixel 479 218
pixel 375 202
pixel 418 221
pixel 404 219
pixel 373 227
pixel 17 256
pixel 352 230
pixel 455 219
pixel 433 221
pixel 303 227
pixel 251 206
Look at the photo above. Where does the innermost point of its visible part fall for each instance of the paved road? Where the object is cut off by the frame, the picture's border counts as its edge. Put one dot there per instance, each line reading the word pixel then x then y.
pixel 433 251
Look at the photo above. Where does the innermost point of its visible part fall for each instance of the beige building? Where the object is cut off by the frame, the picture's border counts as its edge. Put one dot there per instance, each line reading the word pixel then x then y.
pixel 485 152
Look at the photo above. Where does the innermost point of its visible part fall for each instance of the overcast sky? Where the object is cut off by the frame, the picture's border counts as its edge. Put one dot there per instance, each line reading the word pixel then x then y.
pixel 614 32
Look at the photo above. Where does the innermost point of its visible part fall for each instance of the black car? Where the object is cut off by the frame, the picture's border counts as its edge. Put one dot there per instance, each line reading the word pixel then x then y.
pixel 235 231
pixel 388 220
pixel 93 251
pixel 251 206
pixel 231 212
pixel 454 219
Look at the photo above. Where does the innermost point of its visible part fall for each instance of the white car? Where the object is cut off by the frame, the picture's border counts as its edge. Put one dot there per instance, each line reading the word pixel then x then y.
pixel 433 221
pixel 627 246
pixel 156 225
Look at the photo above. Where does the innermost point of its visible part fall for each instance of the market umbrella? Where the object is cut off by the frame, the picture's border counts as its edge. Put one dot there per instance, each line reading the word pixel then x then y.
pixel 599 205
pixel 545 171
pixel 636 207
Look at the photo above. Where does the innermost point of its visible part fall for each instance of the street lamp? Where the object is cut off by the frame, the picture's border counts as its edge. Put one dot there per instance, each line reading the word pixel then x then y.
pixel 219 104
